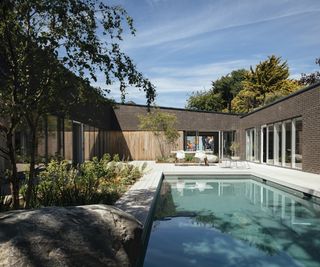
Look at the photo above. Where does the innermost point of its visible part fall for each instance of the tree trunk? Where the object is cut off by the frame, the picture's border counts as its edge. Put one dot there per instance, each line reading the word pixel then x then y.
pixel 14 181
pixel 30 188
pixel 160 141
pixel 229 106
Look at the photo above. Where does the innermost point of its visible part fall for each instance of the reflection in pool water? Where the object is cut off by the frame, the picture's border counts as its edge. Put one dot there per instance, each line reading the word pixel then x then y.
pixel 232 222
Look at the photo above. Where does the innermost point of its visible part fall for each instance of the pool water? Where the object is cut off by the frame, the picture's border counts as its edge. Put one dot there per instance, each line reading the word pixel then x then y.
pixel 232 222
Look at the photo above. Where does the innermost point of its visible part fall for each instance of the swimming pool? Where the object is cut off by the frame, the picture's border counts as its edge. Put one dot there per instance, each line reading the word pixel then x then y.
pixel 232 221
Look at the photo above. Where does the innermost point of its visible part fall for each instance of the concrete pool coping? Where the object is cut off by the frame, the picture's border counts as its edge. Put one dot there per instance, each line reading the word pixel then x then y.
pixel 140 198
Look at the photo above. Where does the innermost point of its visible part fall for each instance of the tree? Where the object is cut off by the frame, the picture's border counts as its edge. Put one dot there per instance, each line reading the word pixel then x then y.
pixel 163 126
pixel 204 101
pixel 308 79
pixel 38 38
pixel 229 86
pixel 219 97
pixel 268 81
pixel 11 119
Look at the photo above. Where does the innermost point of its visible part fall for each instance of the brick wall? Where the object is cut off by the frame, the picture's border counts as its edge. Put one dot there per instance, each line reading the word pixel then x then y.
pixel 126 119
pixel 305 103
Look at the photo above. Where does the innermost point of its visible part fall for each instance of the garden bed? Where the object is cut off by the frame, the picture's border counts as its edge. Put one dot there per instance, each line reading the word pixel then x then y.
pixel 99 181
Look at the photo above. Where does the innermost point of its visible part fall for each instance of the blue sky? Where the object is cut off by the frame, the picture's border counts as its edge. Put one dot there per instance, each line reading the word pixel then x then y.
pixel 183 45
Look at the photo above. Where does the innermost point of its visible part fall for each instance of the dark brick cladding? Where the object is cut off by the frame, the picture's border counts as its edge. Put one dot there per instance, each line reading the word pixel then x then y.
pixel 306 105
pixel 127 119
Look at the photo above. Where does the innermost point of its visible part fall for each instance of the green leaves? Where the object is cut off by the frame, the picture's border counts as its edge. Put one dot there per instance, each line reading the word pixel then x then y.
pixel 242 91
pixel 264 84
pixel 205 101
pixel 311 78
pixel 220 95
pixel 38 37
pixel 96 181
pixel 160 123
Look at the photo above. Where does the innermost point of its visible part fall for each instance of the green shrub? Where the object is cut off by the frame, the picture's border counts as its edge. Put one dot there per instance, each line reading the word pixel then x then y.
pixel 169 159
pixel 189 157
pixel 95 181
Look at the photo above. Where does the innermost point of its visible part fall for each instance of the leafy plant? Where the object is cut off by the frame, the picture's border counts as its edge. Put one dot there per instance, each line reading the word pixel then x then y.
pixel 268 81
pixel 95 181
pixel 166 159
pixel 189 158
pixel 163 126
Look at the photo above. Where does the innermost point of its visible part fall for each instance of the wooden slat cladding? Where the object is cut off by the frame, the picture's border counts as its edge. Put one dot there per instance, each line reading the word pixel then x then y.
pixel 139 145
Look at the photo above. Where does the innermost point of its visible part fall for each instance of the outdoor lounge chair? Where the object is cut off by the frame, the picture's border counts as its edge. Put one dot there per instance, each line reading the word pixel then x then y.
pixel 180 155
pixel 201 156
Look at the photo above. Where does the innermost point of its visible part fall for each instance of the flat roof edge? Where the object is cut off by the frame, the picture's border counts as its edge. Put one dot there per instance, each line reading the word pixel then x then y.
pixel 180 109
pixel 300 91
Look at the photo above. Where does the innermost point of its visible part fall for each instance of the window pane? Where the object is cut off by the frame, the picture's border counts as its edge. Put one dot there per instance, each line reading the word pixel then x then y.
pixel 209 141
pixel 288 144
pixel 253 142
pixel 264 145
pixel 248 145
pixel 190 141
pixel 228 138
pixel 257 145
pixel 298 144
pixel 270 145
pixel 277 147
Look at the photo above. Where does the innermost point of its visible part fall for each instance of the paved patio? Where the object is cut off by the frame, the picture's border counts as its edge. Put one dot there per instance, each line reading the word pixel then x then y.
pixel 139 200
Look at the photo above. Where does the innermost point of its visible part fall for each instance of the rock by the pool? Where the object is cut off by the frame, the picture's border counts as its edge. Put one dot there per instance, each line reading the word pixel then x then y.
pixel 93 235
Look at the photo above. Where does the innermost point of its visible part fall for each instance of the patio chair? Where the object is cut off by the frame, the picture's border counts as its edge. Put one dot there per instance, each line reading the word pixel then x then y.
pixel 239 163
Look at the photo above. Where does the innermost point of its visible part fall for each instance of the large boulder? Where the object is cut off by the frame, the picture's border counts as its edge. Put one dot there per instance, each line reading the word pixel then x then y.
pixel 93 235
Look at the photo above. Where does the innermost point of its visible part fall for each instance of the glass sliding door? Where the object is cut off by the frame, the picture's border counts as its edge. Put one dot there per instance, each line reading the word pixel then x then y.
pixel 298 143
pixel 263 144
pixel 278 144
pixel 194 140
pixel 251 144
pixel 270 145
pixel 288 140
pixel 227 139
pixel 191 141
pixel 248 143
pixel 209 141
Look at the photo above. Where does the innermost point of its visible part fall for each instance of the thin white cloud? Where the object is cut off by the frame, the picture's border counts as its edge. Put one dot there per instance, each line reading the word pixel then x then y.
pixel 183 46
pixel 188 79
pixel 180 79
pixel 211 19
pixel 211 70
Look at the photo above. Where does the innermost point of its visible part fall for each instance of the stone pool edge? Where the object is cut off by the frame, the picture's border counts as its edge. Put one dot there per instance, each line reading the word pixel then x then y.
pixel 140 199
